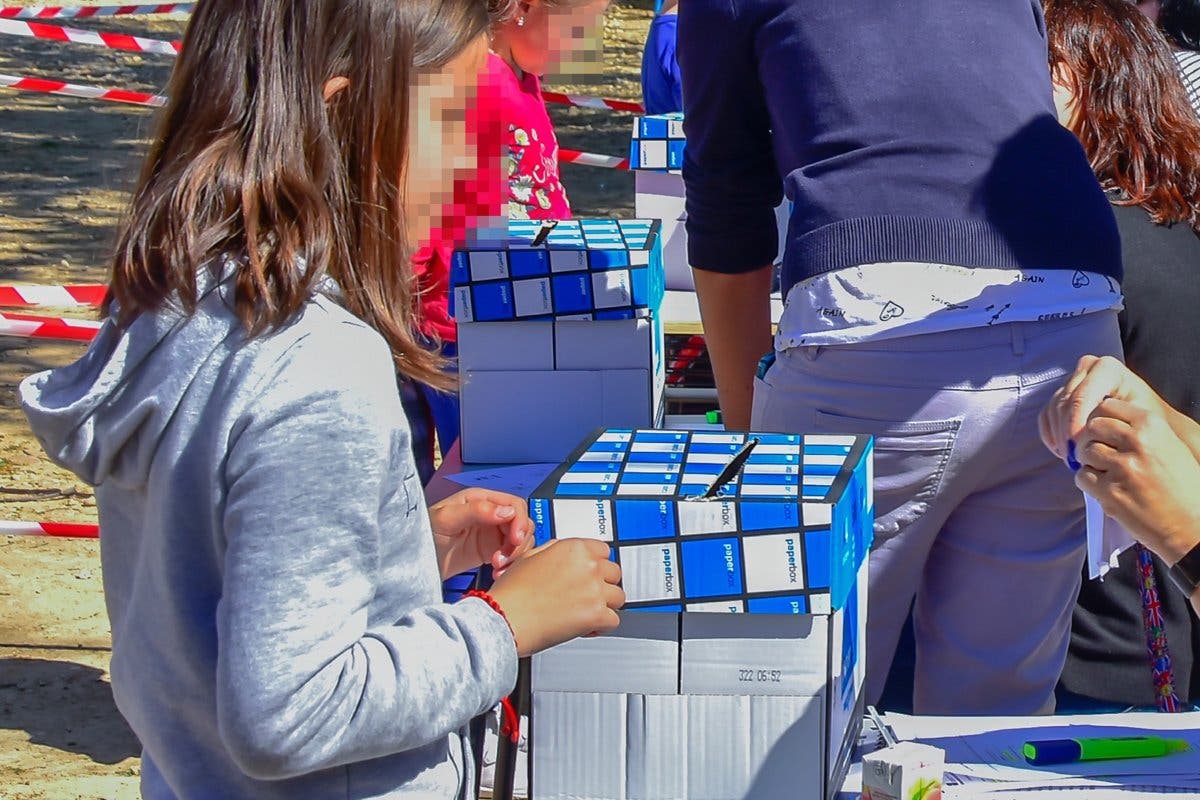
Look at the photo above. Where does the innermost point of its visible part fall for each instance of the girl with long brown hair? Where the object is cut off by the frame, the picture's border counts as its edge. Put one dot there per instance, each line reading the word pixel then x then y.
pixel 271 573
pixel 1120 92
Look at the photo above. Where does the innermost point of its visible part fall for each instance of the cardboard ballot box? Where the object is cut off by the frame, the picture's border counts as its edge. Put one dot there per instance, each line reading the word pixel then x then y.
pixel 531 390
pixel 557 339
pixel 656 158
pixel 584 269
pixel 738 669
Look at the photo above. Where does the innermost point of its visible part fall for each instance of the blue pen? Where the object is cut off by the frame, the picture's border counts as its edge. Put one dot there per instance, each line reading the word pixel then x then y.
pixel 1072 461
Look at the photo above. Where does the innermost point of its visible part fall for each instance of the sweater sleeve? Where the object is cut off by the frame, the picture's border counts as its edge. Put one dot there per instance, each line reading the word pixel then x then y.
pixel 729 169
pixel 306 680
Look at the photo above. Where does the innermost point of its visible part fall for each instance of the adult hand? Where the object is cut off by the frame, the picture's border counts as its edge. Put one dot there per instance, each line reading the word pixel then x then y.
pixel 1094 379
pixel 561 590
pixel 478 526
pixel 1142 474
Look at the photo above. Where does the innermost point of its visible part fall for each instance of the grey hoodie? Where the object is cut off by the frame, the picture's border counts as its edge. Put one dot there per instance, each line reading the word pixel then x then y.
pixel 269 568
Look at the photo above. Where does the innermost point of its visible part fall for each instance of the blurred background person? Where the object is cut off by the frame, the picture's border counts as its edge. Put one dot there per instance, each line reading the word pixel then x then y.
pixel 1119 90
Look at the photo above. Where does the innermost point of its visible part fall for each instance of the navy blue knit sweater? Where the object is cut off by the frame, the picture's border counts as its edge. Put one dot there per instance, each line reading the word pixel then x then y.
pixel 902 131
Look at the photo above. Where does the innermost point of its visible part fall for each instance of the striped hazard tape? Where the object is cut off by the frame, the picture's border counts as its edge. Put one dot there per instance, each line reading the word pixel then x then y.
pixel 113 41
pixel 21 295
pixel 62 530
pixel 28 326
pixel 584 101
pixel 90 11
pixel 44 86
pixel 592 159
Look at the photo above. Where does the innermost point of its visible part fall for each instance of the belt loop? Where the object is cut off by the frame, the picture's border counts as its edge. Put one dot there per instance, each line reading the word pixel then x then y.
pixel 1018 338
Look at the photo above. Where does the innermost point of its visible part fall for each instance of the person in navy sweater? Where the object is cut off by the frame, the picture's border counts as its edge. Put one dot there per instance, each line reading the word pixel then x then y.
pixel 949 258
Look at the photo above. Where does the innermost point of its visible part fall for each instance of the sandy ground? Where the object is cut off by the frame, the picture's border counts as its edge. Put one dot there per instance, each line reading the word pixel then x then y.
pixel 65 166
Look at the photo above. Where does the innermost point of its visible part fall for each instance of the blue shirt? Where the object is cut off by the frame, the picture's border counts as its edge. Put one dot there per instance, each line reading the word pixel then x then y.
pixel 661 88
pixel 919 131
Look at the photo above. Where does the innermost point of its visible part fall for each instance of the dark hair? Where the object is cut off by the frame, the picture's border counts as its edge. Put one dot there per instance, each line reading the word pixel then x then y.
pixel 1132 113
pixel 250 161
pixel 1180 21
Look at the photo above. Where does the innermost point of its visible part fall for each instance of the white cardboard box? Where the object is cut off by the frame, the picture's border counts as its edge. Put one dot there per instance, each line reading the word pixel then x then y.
pixel 588 746
pixel 754 654
pixel 640 657
pixel 660 195
pixel 531 391
pixel 571 762
pixel 523 417
pixel 656 754
pixel 505 346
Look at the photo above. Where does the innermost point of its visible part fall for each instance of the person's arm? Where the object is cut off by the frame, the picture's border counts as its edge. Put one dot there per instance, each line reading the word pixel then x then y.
pixel 309 674
pixel 736 310
pixel 305 679
pixel 1131 458
pixel 733 187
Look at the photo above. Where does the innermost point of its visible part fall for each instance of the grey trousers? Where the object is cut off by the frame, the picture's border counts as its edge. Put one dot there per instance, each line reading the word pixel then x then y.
pixel 978 527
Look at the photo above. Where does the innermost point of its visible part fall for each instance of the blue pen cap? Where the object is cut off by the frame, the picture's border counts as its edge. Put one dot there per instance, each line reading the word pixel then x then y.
pixel 1052 751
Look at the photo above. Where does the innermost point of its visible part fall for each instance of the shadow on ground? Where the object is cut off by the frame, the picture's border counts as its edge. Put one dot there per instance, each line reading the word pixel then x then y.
pixel 64 705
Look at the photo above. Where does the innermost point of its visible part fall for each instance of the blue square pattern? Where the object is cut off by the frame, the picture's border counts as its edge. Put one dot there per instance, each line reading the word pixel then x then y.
pixel 658 143
pixel 590 268
pixel 787 534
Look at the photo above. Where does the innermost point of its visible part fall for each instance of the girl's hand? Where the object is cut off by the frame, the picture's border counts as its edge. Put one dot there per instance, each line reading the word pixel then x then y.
pixel 478 526
pixel 561 590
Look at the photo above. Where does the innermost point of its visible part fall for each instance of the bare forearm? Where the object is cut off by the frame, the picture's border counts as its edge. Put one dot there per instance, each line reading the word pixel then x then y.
pixel 1185 428
pixel 736 312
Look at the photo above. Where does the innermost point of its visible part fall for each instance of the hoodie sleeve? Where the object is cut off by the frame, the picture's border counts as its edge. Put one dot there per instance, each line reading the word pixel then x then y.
pixel 305 681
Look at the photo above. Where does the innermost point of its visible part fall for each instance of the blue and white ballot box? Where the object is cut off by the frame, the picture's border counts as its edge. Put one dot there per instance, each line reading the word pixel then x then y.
pixel 580 269
pixel 559 333
pixel 656 158
pixel 737 671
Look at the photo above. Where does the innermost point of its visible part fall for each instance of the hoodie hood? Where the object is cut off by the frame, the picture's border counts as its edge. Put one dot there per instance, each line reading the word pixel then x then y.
pixel 102 417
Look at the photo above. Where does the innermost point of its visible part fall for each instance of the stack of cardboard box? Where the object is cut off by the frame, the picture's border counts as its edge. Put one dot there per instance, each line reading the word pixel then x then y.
pixel 737 671
pixel 656 157
pixel 559 333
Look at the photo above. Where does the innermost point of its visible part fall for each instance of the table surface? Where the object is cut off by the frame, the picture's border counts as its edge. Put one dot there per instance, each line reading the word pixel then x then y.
pixel 681 312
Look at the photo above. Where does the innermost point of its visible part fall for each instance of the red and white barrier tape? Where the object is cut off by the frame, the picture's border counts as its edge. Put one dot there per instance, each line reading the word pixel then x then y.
pixel 592 159
pixel 89 11
pixel 21 295
pixel 45 86
pixel 62 530
pixel 28 326
pixel 584 101
pixel 113 41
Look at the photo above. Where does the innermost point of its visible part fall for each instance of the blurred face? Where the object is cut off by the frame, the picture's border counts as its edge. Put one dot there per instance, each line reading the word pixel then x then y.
pixel 563 40
pixel 438 146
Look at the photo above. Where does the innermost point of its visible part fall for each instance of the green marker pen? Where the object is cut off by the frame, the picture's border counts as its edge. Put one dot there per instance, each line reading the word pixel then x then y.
pixel 1067 751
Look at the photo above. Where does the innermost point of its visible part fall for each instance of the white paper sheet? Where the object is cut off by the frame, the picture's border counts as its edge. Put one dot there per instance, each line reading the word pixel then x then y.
pixel 989 748
pixel 1106 538
pixel 520 480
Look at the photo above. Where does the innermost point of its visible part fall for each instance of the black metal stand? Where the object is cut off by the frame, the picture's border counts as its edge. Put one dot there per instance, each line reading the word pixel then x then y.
pixel 507 750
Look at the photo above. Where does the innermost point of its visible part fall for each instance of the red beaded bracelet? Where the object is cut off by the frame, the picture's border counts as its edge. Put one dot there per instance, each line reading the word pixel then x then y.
pixel 491 601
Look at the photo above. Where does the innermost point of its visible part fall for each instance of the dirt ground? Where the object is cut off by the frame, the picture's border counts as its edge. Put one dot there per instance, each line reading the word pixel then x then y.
pixel 65 166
